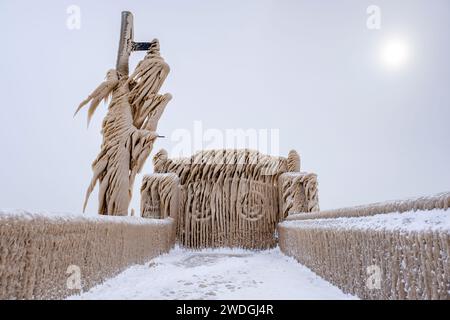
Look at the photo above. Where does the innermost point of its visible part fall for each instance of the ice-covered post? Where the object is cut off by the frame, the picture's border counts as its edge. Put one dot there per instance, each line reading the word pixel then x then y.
pixel 129 127
pixel 127 44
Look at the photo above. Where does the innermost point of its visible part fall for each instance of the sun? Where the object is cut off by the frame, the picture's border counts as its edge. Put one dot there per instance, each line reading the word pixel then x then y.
pixel 395 53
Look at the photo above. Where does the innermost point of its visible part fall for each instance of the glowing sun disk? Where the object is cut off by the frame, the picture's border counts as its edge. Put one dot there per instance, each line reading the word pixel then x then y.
pixel 395 53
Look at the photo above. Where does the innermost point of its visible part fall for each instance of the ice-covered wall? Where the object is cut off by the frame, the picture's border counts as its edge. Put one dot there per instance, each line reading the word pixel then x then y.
pixel 228 198
pixel 41 254
pixel 385 256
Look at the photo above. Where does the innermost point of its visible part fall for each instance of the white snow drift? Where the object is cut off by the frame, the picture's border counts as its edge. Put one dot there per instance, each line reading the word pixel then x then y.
pixel 217 274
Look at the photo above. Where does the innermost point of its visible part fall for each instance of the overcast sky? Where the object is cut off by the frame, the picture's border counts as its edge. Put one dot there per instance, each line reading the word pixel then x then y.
pixel 311 69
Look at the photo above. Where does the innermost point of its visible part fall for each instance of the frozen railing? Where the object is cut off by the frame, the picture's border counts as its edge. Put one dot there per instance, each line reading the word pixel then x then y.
pixel 51 256
pixel 391 250
pixel 437 201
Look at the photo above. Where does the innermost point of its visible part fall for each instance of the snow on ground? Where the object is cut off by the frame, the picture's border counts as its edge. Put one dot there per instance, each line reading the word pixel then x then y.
pixel 217 274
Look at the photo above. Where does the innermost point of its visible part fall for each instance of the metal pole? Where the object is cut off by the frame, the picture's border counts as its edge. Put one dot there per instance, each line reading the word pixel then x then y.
pixel 125 42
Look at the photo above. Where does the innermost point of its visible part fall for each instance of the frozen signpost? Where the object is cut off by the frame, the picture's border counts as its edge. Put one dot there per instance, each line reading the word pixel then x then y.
pixel 127 44
pixel 129 127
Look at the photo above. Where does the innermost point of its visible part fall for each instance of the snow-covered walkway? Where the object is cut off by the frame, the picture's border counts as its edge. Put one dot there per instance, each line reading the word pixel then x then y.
pixel 217 274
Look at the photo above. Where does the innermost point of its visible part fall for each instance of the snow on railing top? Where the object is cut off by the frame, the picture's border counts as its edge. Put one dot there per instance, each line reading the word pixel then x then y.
pixel 19 214
pixel 423 204
pixel 434 220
